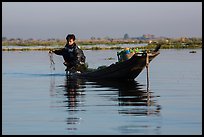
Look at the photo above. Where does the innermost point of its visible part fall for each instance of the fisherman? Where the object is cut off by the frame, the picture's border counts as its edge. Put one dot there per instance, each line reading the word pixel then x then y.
pixel 74 58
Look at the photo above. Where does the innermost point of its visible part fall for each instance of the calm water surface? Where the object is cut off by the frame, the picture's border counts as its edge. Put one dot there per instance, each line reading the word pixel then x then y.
pixel 39 100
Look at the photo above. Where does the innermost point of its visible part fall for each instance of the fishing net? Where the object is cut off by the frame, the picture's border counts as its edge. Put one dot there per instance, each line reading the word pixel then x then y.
pixel 52 63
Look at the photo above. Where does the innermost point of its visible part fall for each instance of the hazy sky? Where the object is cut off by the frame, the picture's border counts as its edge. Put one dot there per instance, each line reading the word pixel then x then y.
pixel 42 20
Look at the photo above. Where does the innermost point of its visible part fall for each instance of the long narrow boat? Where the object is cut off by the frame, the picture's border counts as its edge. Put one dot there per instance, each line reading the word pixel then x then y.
pixel 126 70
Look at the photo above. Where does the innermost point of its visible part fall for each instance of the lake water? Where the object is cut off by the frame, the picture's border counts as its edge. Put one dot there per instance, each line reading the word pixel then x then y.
pixel 38 100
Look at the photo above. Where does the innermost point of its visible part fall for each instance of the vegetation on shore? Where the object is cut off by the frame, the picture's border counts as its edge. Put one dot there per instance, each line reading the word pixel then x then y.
pixel 94 44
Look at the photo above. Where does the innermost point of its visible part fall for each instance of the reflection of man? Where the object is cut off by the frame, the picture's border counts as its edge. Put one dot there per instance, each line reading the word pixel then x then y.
pixel 73 98
pixel 71 86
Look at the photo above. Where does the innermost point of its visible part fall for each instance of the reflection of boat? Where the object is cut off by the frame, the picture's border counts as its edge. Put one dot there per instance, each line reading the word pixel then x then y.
pixel 128 69
pixel 132 98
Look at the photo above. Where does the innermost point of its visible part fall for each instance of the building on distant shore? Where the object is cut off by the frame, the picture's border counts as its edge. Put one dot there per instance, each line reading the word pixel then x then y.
pixel 145 37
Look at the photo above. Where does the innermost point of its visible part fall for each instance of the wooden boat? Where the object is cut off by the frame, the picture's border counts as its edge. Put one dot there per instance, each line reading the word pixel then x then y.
pixel 126 70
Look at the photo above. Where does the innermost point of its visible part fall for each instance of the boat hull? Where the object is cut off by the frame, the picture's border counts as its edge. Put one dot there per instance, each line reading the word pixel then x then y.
pixel 127 70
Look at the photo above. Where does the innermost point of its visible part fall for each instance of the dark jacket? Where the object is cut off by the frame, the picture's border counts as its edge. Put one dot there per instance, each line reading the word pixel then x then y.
pixel 72 55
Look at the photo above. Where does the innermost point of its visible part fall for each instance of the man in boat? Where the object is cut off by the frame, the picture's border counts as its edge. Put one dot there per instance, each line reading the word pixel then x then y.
pixel 73 56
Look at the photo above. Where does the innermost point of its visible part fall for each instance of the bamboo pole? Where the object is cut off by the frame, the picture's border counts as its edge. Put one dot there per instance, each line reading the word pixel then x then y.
pixel 147 68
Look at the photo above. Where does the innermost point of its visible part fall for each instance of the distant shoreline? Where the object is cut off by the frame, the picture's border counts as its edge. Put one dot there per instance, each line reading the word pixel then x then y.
pixel 94 47
pixel 102 44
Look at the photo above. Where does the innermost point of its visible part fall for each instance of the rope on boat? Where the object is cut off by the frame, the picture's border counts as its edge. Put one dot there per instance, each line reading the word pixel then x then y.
pixel 52 63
